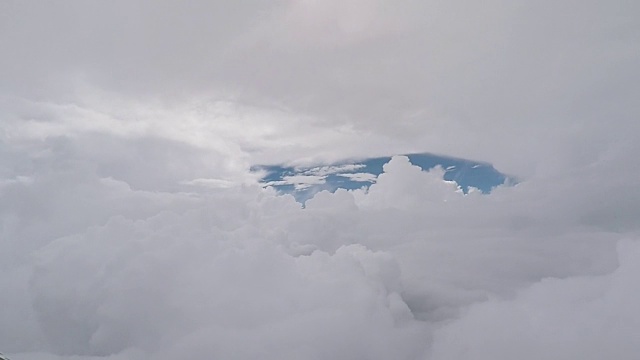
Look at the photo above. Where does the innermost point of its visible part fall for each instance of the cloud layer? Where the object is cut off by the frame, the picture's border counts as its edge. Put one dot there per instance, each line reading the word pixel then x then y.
pixel 132 228
pixel 410 269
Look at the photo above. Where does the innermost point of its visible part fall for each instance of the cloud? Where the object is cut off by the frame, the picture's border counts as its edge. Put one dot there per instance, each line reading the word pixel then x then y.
pixel 576 317
pixel 487 82
pixel 360 177
pixel 132 228
pixel 240 271
pixel 212 290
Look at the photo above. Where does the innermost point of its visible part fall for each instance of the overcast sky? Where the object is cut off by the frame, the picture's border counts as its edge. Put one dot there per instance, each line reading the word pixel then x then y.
pixel 131 228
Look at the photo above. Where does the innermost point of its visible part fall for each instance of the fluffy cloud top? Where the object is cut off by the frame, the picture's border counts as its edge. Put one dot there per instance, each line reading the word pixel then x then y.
pixel 410 269
pixel 131 227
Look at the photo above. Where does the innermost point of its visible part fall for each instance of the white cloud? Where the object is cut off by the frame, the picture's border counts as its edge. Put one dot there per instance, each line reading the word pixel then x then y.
pixel 304 181
pixel 334 169
pixel 240 271
pixel 360 176
pixel 117 118
pixel 576 317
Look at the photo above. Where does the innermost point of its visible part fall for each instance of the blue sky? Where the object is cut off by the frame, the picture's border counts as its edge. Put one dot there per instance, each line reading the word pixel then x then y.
pixel 304 183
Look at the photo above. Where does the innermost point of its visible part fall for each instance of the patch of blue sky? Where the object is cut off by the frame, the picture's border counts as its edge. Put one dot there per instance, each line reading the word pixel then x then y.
pixel 303 183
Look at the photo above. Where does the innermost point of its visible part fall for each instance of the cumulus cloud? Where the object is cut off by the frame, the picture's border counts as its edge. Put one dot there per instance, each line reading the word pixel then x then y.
pixel 242 272
pixel 132 228
pixel 571 318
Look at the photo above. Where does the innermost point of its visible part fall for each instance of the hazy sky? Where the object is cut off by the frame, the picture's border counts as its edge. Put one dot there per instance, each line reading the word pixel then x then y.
pixel 131 228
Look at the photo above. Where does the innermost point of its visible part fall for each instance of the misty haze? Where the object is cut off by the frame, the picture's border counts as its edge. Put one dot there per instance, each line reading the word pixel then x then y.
pixel 319 179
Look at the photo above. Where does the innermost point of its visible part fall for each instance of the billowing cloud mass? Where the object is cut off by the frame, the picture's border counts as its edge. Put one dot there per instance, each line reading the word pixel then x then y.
pixel 131 227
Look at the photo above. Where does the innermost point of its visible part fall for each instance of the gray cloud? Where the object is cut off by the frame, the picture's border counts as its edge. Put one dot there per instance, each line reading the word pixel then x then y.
pixel 490 80
pixel 131 229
